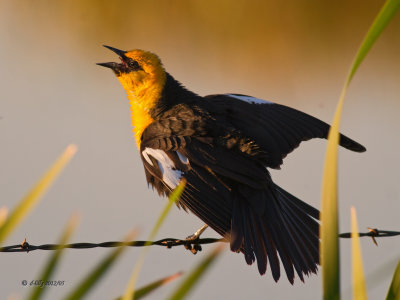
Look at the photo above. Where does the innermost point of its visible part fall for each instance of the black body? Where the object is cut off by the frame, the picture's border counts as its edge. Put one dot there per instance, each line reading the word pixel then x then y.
pixel 223 146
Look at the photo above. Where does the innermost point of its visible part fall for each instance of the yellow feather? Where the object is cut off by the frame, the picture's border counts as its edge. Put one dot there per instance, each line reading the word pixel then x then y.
pixel 144 89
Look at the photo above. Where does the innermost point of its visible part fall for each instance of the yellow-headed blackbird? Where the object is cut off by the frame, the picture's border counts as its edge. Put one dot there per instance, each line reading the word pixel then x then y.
pixel 222 145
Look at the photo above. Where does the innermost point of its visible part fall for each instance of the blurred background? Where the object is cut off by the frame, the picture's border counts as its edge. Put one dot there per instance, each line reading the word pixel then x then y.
pixel 296 53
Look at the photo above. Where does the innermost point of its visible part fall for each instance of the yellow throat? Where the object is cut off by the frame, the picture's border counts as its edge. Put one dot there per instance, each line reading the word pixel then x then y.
pixel 144 88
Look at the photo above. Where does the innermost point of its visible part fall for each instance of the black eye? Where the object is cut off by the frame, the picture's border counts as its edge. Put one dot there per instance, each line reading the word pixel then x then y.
pixel 133 64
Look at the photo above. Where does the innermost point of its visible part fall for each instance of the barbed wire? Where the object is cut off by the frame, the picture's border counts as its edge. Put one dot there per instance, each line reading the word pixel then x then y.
pixel 373 233
pixel 193 245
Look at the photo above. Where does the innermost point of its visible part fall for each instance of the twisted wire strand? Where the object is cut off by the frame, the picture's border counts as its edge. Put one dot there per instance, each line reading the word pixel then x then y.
pixel 167 242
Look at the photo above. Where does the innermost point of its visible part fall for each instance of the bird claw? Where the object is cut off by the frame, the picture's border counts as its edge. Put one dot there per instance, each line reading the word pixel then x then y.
pixel 192 244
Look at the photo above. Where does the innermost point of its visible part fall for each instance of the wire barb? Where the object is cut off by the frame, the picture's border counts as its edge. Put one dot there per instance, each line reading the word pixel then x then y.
pixel 373 233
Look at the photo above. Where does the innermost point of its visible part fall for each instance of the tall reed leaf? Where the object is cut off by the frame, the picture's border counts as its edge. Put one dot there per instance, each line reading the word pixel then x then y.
pixel 359 286
pixel 394 290
pixel 173 198
pixel 35 194
pixel 196 274
pixel 329 218
pixel 49 269
pixel 94 276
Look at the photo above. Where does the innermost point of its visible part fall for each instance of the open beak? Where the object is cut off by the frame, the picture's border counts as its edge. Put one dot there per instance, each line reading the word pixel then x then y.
pixel 116 67
pixel 120 53
pixel 111 65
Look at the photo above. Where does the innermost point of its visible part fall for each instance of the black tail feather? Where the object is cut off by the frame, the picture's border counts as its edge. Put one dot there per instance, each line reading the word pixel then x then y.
pixel 289 198
pixel 287 227
pixel 291 242
pixel 282 228
pixel 259 249
pixel 306 232
pixel 273 247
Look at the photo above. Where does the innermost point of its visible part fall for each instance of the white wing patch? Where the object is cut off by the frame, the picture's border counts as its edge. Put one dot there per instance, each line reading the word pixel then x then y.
pixel 182 157
pixel 250 99
pixel 171 176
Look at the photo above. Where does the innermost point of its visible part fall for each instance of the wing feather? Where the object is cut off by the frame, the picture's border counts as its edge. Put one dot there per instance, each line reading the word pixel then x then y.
pixel 278 129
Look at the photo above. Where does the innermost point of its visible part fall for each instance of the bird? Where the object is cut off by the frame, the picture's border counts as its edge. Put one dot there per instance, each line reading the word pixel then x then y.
pixel 223 146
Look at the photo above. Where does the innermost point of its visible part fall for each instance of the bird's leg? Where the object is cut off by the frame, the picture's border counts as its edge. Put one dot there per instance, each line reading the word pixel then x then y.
pixel 193 239
pixel 197 234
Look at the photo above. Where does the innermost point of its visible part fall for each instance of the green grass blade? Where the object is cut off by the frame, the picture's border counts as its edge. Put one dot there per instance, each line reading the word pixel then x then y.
pixel 176 194
pixel 381 21
pixel 147 289
pixel 38 291
pixel 394 290
pixel 194 277
pixel 95 275
pixel 329 229
pixel 34 195
pixel 174 197
pixel 329 254
pixel 359 286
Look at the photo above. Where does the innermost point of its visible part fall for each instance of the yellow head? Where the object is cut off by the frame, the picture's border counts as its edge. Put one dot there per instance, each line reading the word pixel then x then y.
pixel 143 77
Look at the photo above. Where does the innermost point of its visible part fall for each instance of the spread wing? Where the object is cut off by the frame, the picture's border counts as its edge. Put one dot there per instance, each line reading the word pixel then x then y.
pixel 229 188
pixel 276 128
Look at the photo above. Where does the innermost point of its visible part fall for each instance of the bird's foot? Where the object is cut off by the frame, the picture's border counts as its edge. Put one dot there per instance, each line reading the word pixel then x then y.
pixel 192 241
pixel 192 246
